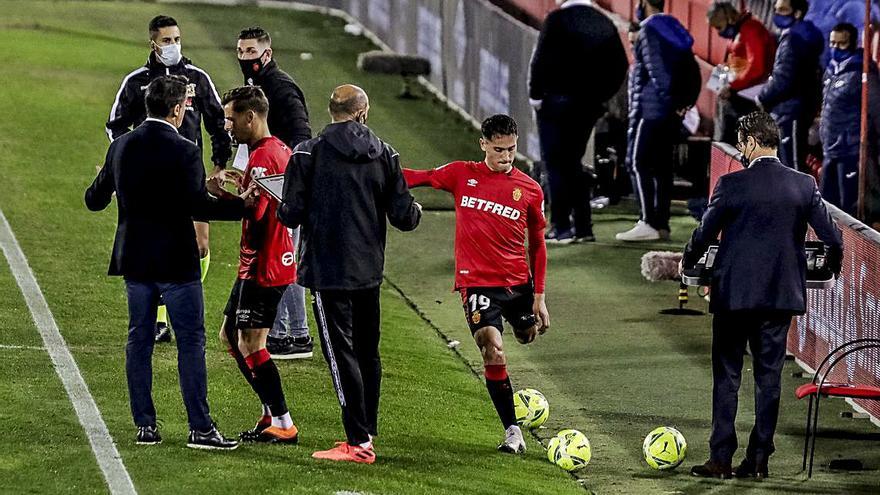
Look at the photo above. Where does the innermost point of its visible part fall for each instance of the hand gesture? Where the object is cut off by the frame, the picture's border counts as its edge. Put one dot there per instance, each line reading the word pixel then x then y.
pixel 250 195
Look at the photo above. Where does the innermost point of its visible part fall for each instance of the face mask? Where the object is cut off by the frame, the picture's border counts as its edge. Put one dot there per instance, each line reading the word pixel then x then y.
pixel 839 54
pixel 728 32
pixel 744 159
pixel 640 13
pixel 252 67
pixel 169 55
pixel 783 21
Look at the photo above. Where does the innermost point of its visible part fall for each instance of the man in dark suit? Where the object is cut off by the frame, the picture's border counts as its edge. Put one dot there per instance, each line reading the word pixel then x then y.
pixel 758 284
pixel 156 252
pixel 578 65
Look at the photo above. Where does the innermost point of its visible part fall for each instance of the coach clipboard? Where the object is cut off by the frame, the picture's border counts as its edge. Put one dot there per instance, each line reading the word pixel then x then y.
pixel 273 184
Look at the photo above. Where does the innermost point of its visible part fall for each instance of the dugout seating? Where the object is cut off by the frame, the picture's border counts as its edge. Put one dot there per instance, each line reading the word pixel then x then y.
pixel 820 387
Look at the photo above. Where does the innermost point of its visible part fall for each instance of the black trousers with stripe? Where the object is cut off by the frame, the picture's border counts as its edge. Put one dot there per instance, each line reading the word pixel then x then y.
pixel 650 147
pixel 348 325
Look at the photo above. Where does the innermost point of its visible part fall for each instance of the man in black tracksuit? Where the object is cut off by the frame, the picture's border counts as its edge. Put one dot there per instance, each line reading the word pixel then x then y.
pixel 203 102
pixel 340 187
pixel 288 121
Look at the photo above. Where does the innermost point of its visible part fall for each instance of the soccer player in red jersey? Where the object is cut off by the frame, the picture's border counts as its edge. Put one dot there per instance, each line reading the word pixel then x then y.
pixel 266 267
pixel 495 204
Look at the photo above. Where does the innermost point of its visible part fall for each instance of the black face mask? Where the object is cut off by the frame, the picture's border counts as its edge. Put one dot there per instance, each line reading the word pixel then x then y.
pixel 253 67
pixel 742 156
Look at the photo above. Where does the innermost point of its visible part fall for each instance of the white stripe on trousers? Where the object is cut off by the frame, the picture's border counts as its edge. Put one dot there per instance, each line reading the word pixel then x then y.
pixel 334 368
pixel 636 169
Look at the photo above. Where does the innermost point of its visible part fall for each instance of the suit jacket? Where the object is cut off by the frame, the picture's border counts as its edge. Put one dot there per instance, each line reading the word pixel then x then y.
pixel 159 181
pixel 762 214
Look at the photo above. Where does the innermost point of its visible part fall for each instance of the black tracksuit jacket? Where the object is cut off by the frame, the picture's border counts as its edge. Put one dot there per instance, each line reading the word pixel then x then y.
pixel 288 116
pixel 129 110
pixel 340 187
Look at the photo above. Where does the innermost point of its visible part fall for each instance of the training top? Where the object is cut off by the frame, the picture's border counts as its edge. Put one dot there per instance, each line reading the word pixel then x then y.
pixel 493 210
pixel 266 245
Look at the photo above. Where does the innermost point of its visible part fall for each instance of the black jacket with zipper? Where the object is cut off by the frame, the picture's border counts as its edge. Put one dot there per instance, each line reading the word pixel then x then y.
pixel 129 110
pixel 340 187
pixel 288 116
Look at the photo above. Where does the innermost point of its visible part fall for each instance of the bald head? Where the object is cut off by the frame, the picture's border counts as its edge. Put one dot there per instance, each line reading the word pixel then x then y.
pixel 349 102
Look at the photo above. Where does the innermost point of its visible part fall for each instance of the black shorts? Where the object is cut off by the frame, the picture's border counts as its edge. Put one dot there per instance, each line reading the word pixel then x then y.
pixel 485 306
pixel 251 305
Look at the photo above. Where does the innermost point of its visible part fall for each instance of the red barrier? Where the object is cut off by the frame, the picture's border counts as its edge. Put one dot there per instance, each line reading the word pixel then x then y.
pixel 849 311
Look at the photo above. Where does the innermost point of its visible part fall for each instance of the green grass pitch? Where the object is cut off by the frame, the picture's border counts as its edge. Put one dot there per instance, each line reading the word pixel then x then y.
pixel 610 365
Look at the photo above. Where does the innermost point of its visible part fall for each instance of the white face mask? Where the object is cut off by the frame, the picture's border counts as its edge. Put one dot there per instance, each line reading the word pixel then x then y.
pixel 169 55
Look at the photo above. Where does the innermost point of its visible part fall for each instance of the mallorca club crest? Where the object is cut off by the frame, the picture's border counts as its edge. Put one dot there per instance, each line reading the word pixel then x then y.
pixel 190 94
pixel 476 317
pixel 517 194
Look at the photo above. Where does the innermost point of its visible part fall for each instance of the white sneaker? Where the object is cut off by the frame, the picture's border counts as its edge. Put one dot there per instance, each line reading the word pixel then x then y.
pixel 641 232
pixel 513 441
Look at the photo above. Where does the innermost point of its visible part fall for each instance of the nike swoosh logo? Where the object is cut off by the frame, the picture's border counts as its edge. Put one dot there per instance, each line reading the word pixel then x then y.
pixel 851 175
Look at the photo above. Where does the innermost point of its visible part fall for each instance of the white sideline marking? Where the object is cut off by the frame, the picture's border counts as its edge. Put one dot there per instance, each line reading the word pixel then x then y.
pixel 25 347
pixel 109 460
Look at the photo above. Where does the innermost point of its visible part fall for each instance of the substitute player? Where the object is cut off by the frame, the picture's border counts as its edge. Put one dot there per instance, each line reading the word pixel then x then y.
pixel 495 204
pixel 202 104
pixel 266 267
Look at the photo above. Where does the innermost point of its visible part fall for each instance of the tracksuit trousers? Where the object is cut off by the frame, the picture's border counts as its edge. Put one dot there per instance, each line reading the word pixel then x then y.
pixel 348 325
pixel 650 147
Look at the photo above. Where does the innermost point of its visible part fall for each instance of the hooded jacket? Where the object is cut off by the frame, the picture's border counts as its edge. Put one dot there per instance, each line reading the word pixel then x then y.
pixel 662 46
pixel 794 89
pixel 203 102
pixel 340 187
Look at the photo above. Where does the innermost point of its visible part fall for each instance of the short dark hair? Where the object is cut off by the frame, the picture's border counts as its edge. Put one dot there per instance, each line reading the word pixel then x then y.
pixel 255 33
pixel 849 29
pixel 498 125
pixel 160 21
pixel 657 4
pixel 247 98
pixel 760 126
pixel 163 94
pixel 800 5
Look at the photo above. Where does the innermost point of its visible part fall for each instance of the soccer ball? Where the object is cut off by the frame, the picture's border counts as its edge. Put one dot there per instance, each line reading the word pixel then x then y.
pixel 570 450
pixel 532 408
pixel 664 448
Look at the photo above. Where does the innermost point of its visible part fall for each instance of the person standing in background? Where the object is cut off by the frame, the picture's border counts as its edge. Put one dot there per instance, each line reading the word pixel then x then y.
pixel 659 93
pixel 749 57
pixel 793 92
pixel 576 43
pixel 288 121
pixel 840 123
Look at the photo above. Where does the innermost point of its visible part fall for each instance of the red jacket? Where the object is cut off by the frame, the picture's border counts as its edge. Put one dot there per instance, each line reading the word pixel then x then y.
pixel 750 55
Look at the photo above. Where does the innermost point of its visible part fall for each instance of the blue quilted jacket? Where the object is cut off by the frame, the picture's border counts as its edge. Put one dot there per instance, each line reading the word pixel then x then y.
pixel 840 125
pixel 661 44
pixel 794 87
